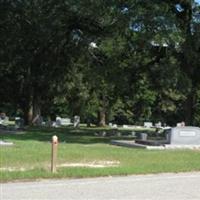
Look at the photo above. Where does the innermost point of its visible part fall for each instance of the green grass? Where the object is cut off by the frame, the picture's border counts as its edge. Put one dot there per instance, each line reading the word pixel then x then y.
pixel 32 151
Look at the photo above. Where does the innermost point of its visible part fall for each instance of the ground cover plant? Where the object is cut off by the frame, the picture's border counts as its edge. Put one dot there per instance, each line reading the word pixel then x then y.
pixel 84 152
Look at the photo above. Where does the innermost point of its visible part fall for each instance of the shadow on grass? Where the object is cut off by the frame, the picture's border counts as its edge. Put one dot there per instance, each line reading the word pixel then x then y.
pixel 67 135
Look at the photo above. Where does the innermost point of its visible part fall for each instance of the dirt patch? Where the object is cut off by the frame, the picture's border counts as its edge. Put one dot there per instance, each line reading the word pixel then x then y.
pixel 94 164
pixel 14 169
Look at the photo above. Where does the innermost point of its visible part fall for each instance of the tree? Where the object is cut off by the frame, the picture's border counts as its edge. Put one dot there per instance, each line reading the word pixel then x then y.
pixel 41 37
pixel 126 61
pixel 187 13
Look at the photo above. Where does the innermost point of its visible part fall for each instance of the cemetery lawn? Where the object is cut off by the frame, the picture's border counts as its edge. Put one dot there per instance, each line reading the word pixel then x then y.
pixel 83 153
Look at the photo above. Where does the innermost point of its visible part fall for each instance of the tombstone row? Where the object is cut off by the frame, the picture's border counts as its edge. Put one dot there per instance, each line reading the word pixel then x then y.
pixel 67 121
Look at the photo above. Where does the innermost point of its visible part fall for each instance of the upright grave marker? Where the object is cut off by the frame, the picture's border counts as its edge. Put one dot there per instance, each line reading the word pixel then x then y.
pixel 54 153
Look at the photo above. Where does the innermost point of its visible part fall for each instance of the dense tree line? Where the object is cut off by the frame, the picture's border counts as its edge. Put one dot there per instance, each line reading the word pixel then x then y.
pixel 122 61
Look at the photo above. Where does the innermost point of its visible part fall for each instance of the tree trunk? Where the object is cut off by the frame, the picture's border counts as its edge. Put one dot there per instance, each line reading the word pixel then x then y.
pixel 187 62
pixel 27 109
pixel 31 110
pixel 36 111
pixel 189 109
pixel 102 118
pixel 30 114
pixel 102 111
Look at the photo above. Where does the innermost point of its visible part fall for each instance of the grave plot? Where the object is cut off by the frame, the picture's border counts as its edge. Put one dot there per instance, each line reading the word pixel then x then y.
pixel 179 137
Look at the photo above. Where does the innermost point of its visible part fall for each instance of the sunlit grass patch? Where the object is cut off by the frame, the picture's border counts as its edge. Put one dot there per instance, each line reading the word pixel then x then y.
pixel 78 150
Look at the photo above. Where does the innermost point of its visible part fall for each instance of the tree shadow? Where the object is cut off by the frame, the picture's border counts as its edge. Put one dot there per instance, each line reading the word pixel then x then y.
pixel 68 135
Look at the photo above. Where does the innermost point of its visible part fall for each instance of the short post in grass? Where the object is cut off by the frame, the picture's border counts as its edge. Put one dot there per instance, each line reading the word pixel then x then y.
pixel 54 153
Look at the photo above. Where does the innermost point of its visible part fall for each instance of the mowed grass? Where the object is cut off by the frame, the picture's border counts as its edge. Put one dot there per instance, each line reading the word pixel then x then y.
pixel 30 156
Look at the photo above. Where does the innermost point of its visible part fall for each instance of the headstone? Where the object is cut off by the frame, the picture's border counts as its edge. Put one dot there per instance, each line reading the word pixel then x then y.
pixel 125 126
pixel 54 124
pixel 2 116
pixel 187 135
pixel 4 119
pixel 76 121
pixel 180 124
pixel 65 121
pixel 44 124
pixel 19 123
pixel 148 124
pixel 96 134
pixel 119 134
pixel 104 134
pixel 143 136
pixel 110 125
pixel 133 134
pixel 58 121
pixel 114 126
pixel 158 125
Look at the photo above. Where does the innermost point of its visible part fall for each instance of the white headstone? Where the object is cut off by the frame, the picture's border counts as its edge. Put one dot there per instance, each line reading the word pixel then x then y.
pixel 148 124
pixel 114 126
pixel 76 121
pixel 110 124
pixel 158 125
pixel 65 121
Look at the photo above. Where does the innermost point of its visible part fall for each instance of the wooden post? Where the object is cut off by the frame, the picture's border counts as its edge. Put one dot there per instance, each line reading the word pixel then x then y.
pixel 54 153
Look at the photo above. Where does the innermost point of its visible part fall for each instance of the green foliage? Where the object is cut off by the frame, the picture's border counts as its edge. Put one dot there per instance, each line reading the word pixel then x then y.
pixel 128 60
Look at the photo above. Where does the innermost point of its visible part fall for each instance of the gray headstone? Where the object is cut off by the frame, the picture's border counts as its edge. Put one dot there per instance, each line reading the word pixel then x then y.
pixel 187 135
pixel 133 133
pixel 58 121
pixel 19 122
pixel 104 134
pixel 54 124
pixel 143 136
pixel 76 121
pixel 119 134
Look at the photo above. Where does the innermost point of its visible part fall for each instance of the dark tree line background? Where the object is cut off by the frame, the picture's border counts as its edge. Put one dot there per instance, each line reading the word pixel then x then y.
pixel 122 61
